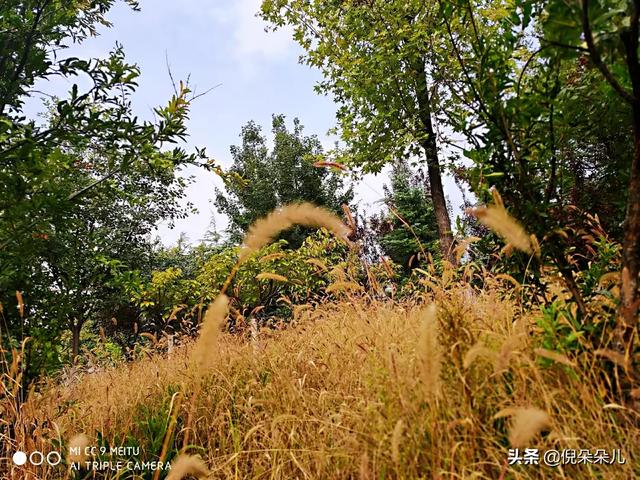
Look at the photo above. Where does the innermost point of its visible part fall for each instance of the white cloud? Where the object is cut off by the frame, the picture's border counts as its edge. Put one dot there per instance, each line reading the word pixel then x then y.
pixel 250 37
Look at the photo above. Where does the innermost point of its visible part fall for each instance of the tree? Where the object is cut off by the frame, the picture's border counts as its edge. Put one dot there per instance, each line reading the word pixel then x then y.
pixel 611 32
pixel 378 59
pixel 544 128
pixel 271 179
pixel 408 230
pixel 84 188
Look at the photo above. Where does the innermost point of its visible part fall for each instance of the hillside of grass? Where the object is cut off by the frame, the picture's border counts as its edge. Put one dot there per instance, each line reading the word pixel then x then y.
pixel 437 387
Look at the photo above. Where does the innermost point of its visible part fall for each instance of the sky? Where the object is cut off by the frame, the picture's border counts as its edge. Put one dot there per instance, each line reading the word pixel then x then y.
pixel 220 42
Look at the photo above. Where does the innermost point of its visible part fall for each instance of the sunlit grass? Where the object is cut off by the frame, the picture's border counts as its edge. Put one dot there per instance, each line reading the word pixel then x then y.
pixel 349 392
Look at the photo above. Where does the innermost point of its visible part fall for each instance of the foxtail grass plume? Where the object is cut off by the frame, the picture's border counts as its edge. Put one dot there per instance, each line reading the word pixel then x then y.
pixel 271 256
pixel 498 219
pixel 271 276
pixel 343 287
pixel 479 350
pixel 264 230
pixel 206 347
pixel 396 438
pixel 188 466
pixel 526 423
pixel 317 263
pixel 78 443
pixel 554 356
pixel 20 303
pixel 429 354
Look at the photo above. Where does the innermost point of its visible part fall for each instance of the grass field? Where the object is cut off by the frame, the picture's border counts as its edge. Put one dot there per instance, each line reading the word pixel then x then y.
pixel 446 383
pixel 440 387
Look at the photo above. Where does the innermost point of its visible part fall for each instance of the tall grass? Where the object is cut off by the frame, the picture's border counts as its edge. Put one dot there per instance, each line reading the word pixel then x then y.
pixel 437 386
pixel 342 396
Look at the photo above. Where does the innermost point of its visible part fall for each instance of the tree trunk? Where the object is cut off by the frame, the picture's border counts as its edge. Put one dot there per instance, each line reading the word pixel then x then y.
pixel 430 148
pixel 628 321
pixel 75 340
pixel 628 316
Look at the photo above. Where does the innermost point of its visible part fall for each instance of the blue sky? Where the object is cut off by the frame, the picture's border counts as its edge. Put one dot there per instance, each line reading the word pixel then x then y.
pixel 220 42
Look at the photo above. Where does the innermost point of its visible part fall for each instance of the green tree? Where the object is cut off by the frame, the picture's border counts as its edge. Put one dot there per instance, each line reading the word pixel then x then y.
pixel 536 92
pixel 285 174
pixel 378 59
pixel 608 34
pixel 408 231
pixel 84 188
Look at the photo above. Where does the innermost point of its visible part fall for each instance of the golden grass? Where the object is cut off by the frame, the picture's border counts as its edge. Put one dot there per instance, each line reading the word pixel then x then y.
pixel 428 352
pixel 526 424
pixel 342 395
pixel 264 230
pixel 205 351
pixel 498 219
pixel 271 276
pixel 188 465
pixel 78 442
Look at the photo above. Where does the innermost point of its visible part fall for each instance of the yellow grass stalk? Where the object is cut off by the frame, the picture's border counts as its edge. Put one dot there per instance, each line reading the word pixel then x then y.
pixel 264 230
pixel 271 276
pixel 151 337
pixel 479 350
pixel 396 438
pixel 205 349
pixel 608 279
pixel 509 346
pixel 343 286
pixel 78 443
pixel 20 303
pixel 337 165
pixel 364 469
pixel 428 352
pixel 462 247
pixel 174 407
pixel 318 263
pixel 347 214
pixel 188 465
pixel 615 357
pixel 498 219
pixel 526 423
pixel 271 256
pixel 555 356
pixel 387 267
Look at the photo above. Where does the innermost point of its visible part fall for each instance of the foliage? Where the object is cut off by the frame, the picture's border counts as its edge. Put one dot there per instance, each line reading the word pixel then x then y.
pixel 378 60
pixel 84 188
pixel 306 272
pixel 408 230
pixel 284 175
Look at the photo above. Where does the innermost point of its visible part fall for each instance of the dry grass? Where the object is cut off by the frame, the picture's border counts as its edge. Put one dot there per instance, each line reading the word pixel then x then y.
pixel 498 219
pixel 188 465
pixel 343 395
pixel 264 230
pixel 358 389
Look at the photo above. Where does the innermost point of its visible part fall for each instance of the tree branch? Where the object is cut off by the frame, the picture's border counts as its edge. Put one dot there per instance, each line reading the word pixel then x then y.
pixel 597 60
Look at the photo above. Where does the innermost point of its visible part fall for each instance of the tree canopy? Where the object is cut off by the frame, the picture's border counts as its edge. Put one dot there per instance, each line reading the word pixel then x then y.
pixel 272 178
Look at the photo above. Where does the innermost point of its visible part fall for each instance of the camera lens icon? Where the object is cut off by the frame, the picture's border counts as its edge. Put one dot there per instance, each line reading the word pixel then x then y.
pixel 19 458
pixel 37 458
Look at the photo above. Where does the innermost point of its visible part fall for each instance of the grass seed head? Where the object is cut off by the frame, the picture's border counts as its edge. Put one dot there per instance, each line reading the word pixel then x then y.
pixel 428 352
pixel 78 443
pixel 526 423
pixel 264 230
pixel 206 347
pixel 271 276
pixel 498 219
pixel 396 438
pixel 188 465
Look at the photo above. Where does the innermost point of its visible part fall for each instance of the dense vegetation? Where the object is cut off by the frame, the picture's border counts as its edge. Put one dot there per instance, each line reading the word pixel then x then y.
pixel 334 361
